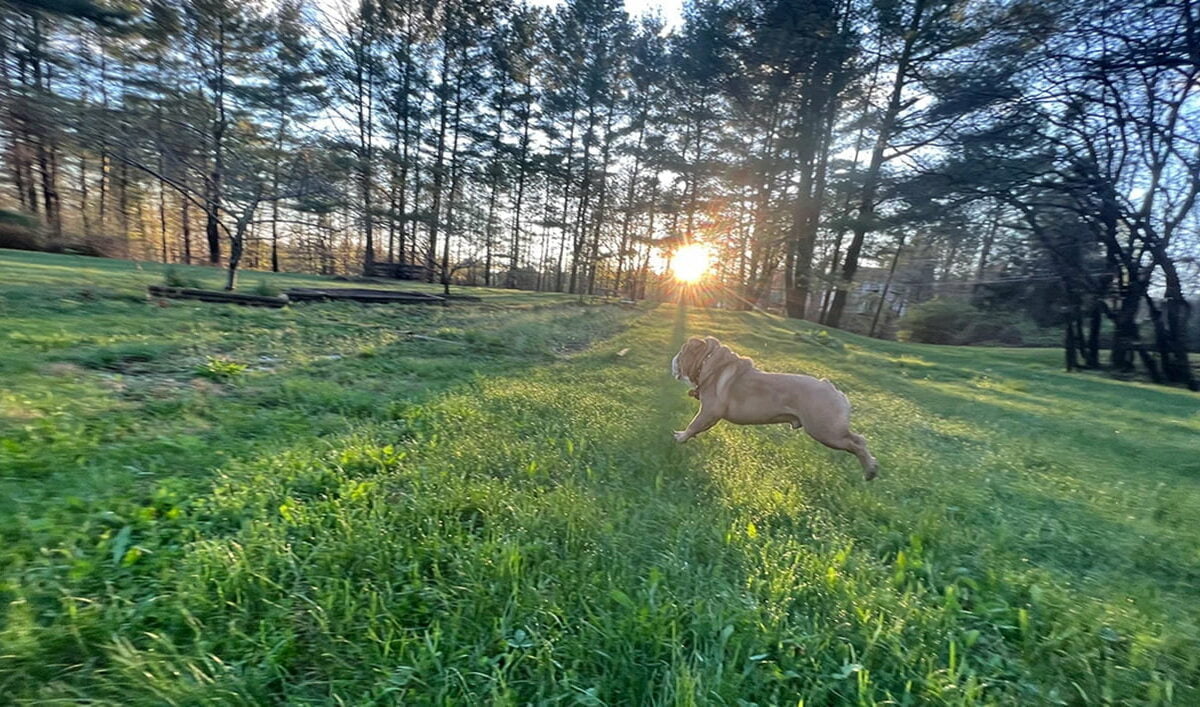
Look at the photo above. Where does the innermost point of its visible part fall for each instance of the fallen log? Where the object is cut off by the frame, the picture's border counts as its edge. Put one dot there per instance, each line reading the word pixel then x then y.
pixel 314 294
pixel 217 296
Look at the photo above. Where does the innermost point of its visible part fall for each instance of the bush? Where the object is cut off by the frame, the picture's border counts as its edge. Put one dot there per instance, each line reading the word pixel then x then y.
pixel 174 277
pixel 993 330
pixel 266 289
pixel 19 231
pixel 938 321
pixel 120 357
pixel 220 370
pixel 819 337
pixel 955 321
pixel 16 218
pixel 93 245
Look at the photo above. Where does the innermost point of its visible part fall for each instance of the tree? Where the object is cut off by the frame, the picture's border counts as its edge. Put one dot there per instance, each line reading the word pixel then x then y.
pixel 292 91
pixel 943 68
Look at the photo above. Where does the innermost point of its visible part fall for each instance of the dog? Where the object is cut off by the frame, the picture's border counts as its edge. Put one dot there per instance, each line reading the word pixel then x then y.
pixel 729 387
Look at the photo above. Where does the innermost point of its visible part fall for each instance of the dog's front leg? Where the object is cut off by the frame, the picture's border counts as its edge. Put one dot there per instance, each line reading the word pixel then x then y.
pixel 704 419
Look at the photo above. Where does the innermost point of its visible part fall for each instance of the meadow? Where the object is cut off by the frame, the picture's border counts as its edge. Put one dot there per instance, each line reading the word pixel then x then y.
pixel 482 504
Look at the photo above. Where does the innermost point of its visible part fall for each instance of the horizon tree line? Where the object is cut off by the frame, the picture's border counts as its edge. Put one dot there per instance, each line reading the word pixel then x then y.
pixel 574 148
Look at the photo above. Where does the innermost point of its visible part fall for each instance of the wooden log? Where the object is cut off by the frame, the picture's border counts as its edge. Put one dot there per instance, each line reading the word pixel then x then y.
pixel 313 294
pixel 398 271
pixel 217 296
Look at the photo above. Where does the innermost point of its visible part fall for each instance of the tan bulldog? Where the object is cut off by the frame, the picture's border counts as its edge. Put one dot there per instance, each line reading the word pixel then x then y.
pixel 729 387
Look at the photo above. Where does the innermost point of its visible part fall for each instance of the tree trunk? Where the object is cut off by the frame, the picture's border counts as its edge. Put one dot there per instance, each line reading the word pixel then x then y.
pixel 235 258
pixel 631 193
pixel 213 194
pixel 47 158
pixel 406 91
pixel 84 195
pixel 162 220
pixel 866 207
pixel 605 152
pixel 807 216
pixel 558 286
pixel 275 169
pixel 579 230
pixel 522 168
pixel 185 221
pixel 439 165
pixel 104 158
pixel 365 93
pixel 1069 342
pixel 887 285
pixel 493 193
pixel 455 178
pixel 1092 350
pixel 1176 366
pixel 989 236
pixel 123 198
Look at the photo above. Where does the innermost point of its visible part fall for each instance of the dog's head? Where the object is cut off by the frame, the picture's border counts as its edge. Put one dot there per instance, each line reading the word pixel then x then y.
pixel 687 364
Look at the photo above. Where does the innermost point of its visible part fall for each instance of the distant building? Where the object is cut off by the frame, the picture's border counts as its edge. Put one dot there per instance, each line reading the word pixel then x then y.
pixel 861 302
pixel 864 300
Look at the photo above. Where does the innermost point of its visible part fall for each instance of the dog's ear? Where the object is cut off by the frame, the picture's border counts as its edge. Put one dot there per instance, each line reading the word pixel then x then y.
pixel 692 345
pixel 689 354
pixel 694 352
pixel 705 359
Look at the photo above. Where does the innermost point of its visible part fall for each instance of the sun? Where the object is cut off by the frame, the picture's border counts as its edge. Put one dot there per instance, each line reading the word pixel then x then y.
pixel 691 262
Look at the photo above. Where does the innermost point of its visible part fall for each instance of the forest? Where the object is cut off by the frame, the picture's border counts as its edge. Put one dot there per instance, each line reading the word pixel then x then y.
pixel 1040 158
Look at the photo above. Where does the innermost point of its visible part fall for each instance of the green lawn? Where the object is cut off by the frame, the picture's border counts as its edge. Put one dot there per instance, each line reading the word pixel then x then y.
pixel 210 504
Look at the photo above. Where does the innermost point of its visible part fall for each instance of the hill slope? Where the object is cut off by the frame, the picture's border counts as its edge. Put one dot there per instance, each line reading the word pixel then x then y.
pixel 418 505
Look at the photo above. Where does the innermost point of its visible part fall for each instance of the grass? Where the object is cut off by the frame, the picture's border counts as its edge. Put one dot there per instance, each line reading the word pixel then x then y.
pixel 203 503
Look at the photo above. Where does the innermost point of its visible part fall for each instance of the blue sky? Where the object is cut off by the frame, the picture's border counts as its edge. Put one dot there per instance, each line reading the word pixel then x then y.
pixel 672 10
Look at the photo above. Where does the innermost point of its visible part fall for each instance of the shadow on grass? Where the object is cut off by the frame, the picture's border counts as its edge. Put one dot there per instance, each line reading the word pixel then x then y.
pixel 1021 429
pixel 119 475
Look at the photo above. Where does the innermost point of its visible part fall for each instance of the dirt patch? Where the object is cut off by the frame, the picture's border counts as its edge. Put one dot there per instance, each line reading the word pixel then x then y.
pixel 16 411
pixel 62 370
pixel 204 385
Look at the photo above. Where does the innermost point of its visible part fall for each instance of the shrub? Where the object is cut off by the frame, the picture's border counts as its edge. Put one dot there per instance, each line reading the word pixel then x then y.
pixel 938 321
pixel 992 329
pixel 93 245
pixel 220 369
pixel 819 337
pixel 266 289
pixel 174 277
pixel 19 231
pixel 16 218
pixel 955 321
pixel 120 357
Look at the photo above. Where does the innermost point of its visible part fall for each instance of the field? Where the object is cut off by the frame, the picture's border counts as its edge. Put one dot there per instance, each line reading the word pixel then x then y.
pixel 482 504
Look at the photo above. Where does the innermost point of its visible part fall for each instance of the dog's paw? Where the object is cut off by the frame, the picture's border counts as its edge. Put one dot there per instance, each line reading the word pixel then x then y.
pixel 680 437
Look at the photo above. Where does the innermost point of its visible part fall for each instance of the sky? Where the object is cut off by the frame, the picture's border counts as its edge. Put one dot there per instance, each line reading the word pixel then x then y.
pixel 672 10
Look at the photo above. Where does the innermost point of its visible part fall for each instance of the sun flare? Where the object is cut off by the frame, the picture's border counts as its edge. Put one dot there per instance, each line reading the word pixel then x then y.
pixel 691 262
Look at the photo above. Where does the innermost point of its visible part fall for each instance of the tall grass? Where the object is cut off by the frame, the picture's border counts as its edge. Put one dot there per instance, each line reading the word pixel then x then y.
pixel 497 514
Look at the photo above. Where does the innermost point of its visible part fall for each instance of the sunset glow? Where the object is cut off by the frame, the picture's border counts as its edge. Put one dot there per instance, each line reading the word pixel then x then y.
pixel 691 262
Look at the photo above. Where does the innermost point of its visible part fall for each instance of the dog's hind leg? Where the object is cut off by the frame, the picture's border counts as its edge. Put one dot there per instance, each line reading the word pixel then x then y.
pixel 848 441
pixel 858 447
